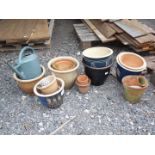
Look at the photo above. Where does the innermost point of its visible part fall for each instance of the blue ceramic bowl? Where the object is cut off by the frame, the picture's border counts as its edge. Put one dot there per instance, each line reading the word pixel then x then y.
pixel 53 100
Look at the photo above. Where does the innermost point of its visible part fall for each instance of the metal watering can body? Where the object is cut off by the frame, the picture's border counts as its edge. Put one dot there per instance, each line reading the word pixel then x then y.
pixel 28 65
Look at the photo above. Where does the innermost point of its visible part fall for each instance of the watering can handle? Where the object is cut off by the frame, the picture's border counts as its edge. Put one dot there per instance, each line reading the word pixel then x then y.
pixel 21 55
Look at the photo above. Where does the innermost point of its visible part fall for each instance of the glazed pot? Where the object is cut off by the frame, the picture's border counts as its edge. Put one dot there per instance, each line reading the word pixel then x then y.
pixel 134 87
pixel 48 85
pixel 98 56
pixel 122 71
pixel 63 65
pixel 97 75
pixel 132 61
pixel 68 76
pixel 83 87
pixel 27 85
pixel 53 100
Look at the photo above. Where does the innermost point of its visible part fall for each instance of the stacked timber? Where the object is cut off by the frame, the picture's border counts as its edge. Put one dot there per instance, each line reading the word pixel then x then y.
pixel 130 32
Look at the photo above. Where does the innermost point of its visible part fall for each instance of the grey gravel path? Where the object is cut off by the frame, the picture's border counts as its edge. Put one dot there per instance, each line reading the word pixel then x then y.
pixel 102 111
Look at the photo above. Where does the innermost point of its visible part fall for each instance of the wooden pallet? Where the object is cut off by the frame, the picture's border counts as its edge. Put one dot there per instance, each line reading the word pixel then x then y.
pixel 38 45
pixel 86 35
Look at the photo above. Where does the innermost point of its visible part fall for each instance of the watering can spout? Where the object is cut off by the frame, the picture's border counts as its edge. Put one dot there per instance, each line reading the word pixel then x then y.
pixel 14 69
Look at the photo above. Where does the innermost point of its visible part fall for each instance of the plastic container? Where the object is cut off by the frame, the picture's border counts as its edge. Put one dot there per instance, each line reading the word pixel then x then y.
pixel 53 100
pixel 68 76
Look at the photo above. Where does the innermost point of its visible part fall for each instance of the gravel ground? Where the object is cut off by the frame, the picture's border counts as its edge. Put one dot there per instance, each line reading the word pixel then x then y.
pixel 101 111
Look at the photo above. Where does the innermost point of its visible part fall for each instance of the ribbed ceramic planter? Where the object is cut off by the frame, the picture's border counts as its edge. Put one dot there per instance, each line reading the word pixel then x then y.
pixel 69 75
pixel 53 100
pixel 134 87
pixel 27 85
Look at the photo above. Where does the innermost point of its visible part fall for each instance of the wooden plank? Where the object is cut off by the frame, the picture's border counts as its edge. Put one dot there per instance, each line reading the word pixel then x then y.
pixel 103 28
pixel 130 28
pixel 146 38
pixel 98 33
pixel 15 31
pixel 116 28
pixel 150 62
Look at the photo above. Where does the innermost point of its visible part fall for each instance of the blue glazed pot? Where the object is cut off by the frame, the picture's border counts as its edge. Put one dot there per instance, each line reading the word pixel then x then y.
pixel 53 100
pixel 121 71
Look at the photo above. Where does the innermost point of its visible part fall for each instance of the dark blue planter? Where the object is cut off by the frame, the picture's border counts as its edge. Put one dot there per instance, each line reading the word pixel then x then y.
pixel 121 72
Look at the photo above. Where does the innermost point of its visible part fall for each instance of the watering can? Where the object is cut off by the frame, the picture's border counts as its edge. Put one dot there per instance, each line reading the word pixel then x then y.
pixel 27 66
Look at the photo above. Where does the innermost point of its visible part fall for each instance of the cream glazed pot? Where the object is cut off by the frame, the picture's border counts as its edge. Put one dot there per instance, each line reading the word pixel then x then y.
pixel 69 75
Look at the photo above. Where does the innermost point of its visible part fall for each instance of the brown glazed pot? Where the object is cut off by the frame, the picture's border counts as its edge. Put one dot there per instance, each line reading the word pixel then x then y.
pixel 48 85
pixel 27 85
pixel 63 65
pixel 132 61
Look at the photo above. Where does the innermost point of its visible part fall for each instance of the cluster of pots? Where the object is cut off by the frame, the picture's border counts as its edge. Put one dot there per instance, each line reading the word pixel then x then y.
pixel 97 61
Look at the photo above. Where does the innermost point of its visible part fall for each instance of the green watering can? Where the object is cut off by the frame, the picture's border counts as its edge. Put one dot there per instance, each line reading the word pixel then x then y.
pixel 27 66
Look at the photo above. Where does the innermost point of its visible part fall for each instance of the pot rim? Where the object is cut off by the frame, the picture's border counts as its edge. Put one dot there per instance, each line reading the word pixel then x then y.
pixel 131 70
pixel 83 85
pixel 62 58
pixel 31 80
pixel 97 68
pixel 49 76
pixel 48 95
pixel 131 53
pixel 128 76
pixel 109 54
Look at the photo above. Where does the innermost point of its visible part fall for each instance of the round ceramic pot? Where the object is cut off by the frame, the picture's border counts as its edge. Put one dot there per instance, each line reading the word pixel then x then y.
pixel 83 87
pixel 27 85
pixel 98 56
pixel 63 65
pixel 133 89
pixel 53 100
pixel 132 61
pixel 97 75
pixel 48 85
pixel 82 79
pixel 68 76
pixel 121 71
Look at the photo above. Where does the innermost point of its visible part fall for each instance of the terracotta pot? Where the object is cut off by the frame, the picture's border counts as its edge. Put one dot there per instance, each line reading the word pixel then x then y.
pixel 68 76
pixel 132 61
pixel 63 65
pixel 27 85
pixel 83 88
pixel 82 79
pixel 134 87
pixel 48 85
pixel 52 100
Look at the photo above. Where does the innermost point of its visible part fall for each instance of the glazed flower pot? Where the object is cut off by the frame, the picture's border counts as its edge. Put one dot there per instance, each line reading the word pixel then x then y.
pixel 98 57
pixel 48 85
pixel 68 76
pixel 131 61
pixel 27 85
pixel 97 75
pixel 83 87
pixel 53 100
pixel 134 87
pixel 63 65
pixel 122 71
